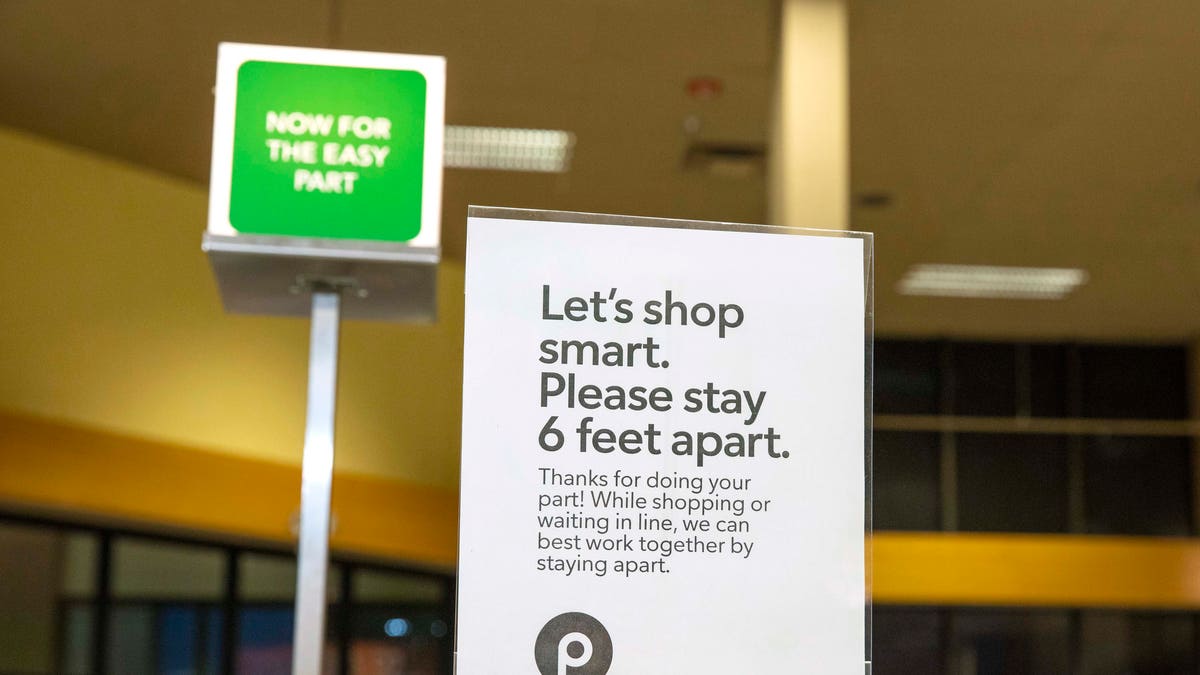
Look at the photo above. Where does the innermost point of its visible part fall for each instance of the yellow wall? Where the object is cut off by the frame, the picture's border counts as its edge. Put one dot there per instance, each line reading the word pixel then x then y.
pixel 109 317
pixel 126 393
pixel 1039 570
pixel 77 472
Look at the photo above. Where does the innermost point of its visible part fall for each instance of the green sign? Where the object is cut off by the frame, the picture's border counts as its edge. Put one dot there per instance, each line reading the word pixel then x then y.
pixel 328 151
pixel 326 166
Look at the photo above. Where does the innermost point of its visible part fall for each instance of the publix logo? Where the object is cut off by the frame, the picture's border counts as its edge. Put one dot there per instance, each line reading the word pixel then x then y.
pixel 573 643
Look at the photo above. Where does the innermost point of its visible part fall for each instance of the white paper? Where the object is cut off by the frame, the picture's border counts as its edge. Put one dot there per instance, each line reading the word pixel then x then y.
pixel 793 603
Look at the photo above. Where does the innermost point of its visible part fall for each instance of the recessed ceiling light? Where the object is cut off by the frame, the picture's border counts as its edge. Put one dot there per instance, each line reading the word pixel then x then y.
pixel 873 199
pixel 544 150
pixel 726 160
pixel 984 281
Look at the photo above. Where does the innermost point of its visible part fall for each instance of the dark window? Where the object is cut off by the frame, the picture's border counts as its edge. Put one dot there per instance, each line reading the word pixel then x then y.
pixel 213 646
pixel 76 645
pixel 1134 382
pixel 906 377
pixel 398 638
pixel 1114 643
pixel 1012 483
pixel 1011 642
pixel 266 578
pixel 264 640
pixel 1048 392
pixel 399 622
pixel 1138 485
pixel 131 640
pixel 162 607
pixel 179 638
pixel 906 642
pixel 267 589
pixel 29 589
pixel 906 480
pixel 152 569
pixel 985 379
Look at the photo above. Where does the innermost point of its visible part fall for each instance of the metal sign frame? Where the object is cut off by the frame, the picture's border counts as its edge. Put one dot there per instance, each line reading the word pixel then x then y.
pixel 325 278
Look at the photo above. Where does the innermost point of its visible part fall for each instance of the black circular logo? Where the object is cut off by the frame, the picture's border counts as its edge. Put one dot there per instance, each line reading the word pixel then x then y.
pixel 573 644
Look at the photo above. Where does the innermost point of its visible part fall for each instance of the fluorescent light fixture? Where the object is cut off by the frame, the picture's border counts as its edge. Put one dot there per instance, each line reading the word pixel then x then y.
pixel 545 150
pixel 984 281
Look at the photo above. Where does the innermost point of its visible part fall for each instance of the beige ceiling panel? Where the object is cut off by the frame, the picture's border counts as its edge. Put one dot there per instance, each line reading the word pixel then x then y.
pixel 496 53
pixel 963 83
pixel 724 35
pixel 133 79
pixel 1032 134
pixel 1011 133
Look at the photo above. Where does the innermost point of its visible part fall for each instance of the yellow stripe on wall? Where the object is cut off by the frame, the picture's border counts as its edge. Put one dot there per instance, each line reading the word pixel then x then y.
pixel 73 470
pixel 1042 570
pixel 63 468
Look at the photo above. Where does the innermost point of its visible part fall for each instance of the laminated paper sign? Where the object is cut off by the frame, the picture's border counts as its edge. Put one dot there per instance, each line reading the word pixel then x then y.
pixel 663 452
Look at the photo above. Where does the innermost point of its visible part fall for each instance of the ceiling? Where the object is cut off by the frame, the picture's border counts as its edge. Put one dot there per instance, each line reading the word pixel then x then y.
pixel 1022 133
pixel 1033 133
pixel 133 79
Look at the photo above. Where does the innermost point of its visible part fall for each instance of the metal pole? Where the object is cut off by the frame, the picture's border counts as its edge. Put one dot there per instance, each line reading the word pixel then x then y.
pixel 316 481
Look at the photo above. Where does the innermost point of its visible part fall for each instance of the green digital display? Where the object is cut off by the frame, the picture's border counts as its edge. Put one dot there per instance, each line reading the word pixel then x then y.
pixel 328 151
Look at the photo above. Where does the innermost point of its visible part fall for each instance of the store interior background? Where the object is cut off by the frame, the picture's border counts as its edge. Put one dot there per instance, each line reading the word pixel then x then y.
pixel 1036 501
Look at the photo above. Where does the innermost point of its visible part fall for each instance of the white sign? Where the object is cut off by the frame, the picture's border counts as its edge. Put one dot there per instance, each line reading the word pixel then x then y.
pixel 663 451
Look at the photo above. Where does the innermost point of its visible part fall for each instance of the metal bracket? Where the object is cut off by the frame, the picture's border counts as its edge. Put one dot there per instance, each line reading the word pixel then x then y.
pixel 273 275
pixel 312 283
